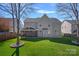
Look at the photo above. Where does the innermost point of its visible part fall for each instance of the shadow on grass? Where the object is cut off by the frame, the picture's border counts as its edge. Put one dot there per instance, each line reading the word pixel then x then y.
pixel 13 54
pixel 63 40
pixel 2 43
pixel 33 39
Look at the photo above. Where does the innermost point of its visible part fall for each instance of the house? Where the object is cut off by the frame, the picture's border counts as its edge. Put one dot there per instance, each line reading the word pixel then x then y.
pixel 69 27
pixel 6 24
pixel 42 27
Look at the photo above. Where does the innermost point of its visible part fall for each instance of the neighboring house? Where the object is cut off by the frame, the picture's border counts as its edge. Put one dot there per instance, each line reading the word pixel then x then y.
pixel 6 24
pixel 69 27
pixel 42 27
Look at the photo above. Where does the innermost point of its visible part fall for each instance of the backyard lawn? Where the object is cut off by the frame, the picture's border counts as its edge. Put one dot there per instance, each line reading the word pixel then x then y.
pixel 41 47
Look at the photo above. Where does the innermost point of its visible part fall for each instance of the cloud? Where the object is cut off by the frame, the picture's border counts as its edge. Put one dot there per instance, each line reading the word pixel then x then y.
pixel 36 7
pixel 45 11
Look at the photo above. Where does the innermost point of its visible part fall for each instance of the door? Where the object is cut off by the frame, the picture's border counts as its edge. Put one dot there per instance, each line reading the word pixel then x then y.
pixel 45 33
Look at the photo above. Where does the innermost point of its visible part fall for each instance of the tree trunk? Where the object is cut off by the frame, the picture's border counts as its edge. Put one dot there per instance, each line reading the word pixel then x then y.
pixel 13 17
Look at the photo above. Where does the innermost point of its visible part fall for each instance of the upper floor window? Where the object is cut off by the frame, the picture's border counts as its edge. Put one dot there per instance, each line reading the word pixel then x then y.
pixel 44 28
pixel 49 25
pixel 40 25
pixel 34 26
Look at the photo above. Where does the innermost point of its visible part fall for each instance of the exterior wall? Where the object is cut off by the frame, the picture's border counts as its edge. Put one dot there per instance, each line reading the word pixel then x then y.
pixel 45 27
pixel 56 29
pixel 5 23
pixel 30 24
pixel 66 28
pixel 53 28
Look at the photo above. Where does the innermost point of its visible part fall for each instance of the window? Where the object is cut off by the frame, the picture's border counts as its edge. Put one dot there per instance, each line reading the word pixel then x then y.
pixel 49 25
pixel 40 31
pixel 40 25
pixel 45 28
pixel 34 26
pixel 55 31
pixel 49 32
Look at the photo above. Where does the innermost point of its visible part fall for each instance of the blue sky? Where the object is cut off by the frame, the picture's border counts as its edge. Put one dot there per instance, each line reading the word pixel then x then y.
pixel 46 8
pixel 43 8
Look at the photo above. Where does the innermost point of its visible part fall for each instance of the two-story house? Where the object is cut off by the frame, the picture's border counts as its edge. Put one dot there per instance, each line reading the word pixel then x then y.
pixel 69 27
pixel 42 27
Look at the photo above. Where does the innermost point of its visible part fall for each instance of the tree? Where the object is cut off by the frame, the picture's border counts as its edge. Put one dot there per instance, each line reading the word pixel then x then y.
pixel 70 11
pixel 17 10
pixel 9 8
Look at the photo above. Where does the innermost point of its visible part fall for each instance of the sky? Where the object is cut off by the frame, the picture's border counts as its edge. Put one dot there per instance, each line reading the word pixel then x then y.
pixel 42 8
pixel 46 8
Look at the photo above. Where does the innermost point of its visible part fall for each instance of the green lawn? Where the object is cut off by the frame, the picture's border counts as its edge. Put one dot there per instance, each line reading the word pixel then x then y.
pixel 41 47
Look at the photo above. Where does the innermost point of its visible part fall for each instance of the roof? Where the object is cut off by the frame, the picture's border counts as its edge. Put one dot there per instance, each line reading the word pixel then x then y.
pixel 44 16
pixel 28 29
pixel 71 21
pixel 6 18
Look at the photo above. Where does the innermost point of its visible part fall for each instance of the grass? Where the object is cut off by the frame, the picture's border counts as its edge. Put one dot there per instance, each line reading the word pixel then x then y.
pixel 41 47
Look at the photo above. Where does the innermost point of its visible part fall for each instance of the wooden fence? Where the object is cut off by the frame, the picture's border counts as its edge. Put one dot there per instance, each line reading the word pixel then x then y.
pixel 7 35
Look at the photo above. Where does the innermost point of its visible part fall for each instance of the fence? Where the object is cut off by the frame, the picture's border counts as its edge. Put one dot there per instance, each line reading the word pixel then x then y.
pixel 69 35
pixel 7 35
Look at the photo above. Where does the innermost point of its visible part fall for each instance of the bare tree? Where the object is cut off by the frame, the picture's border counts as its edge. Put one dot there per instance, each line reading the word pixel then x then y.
pixel 25 10
pixel 17 10
pixel 8 8
pixel 13 17
pixel 70 11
